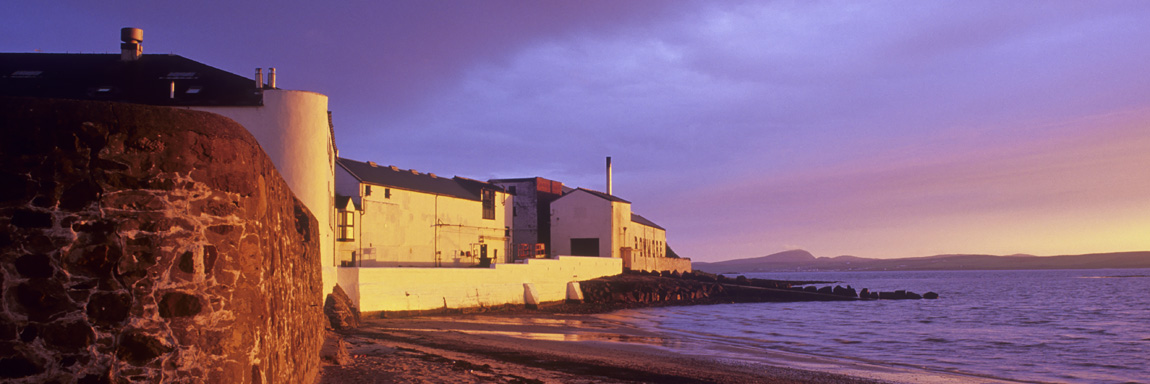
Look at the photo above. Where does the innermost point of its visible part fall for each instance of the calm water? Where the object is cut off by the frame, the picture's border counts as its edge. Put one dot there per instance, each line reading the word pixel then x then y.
pixel 1074 326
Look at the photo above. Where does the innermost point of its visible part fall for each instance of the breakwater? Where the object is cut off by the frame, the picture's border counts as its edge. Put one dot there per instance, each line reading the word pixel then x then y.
pixel 635 290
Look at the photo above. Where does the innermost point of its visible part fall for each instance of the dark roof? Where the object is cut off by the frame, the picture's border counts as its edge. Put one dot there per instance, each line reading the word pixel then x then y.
pixel 600 195
pixel 643 220
pixel 341 202
pixel 460 187
pixel 147 80
pixel 543 186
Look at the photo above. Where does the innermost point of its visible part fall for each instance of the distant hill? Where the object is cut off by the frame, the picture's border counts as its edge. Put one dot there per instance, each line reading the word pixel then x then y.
pixel 800 260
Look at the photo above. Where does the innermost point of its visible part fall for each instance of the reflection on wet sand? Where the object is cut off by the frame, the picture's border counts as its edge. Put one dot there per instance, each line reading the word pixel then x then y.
pixel 562 336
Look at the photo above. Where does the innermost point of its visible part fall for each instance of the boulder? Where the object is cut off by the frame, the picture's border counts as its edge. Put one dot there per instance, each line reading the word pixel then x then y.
pixel 334 349
pixel 340 311
pixel 930 295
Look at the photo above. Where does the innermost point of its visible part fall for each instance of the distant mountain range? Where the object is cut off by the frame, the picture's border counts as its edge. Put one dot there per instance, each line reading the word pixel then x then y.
pixel 800 260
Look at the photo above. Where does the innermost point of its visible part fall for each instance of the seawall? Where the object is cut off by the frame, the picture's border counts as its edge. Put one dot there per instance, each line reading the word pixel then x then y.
pixel 147 244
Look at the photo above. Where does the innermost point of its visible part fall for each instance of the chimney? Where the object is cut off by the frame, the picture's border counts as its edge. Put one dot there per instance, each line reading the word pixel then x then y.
pixel 131 48
pixel 272 78
pixel 259 78
pixel 609 175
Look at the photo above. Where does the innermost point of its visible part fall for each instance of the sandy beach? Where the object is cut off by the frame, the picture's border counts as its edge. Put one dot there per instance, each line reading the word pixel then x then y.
pixel 539 347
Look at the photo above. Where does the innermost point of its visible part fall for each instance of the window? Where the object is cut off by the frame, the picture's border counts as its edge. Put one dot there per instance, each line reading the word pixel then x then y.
pixel 488 204
pixel 346 226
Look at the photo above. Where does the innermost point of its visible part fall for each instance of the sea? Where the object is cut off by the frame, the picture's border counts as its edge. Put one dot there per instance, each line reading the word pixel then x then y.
pixel 1042 326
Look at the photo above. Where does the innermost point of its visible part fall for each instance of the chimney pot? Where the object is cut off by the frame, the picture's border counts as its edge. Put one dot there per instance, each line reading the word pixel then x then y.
pixel 272 78
pixel 132 46
pixel 259 78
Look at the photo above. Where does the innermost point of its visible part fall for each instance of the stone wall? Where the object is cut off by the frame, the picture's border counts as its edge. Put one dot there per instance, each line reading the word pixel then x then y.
pixel 148 244
pixel 632 261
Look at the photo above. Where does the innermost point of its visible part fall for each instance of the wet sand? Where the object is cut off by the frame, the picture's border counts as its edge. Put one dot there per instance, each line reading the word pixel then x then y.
pixel 534 347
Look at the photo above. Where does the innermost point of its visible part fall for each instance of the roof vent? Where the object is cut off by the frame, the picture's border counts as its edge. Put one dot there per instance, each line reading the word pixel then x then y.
pixel 414 172
pixel 394 168
pixel 432 175
pixel 372 163
pixel 131 49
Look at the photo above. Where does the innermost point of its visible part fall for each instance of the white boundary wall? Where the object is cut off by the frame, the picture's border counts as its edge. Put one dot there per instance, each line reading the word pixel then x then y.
pixel 414 289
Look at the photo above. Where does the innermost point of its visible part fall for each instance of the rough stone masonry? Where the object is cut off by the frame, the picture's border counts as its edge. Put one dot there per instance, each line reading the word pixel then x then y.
pixel 149 244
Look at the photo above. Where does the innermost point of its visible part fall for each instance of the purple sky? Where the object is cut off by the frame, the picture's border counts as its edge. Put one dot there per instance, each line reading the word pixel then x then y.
pixel 884 129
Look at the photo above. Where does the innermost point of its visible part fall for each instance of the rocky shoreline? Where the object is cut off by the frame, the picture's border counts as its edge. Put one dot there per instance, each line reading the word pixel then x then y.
pixel 642 290
pixel 454 345
pixel 634 290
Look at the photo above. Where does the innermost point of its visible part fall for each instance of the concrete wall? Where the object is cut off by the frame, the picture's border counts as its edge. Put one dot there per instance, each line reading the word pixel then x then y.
pixel 583 215
pixel 634 262
pixel 292 128
pixel 412 289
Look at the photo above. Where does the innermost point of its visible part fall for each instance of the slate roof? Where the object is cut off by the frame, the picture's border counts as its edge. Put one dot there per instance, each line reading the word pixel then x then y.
pixel 460 187
pixel 147 80
pixel 643 220
pixel 600 195
pixel 341 202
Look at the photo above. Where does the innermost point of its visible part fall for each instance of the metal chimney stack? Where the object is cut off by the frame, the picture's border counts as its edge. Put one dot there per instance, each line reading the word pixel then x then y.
pixel 259 78
pixel 609 175
pixel 132 48
pixel 272 78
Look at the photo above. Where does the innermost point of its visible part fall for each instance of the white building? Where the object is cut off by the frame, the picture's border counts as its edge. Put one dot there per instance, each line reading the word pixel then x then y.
pixel 592 223
pixel 390 217
pixel 294 129
pixel 589 223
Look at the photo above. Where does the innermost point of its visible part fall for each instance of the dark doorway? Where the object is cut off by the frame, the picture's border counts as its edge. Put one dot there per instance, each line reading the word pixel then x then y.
pixel 585 247
pixel 484 261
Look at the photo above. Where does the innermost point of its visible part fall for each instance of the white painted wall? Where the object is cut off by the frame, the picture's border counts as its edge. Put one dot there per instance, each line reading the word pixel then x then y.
pixel 292 128
pixel 646 241
pixel 409 289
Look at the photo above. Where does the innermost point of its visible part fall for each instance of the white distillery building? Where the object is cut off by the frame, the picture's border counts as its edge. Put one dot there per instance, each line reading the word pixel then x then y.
pixel 391 217
pixel 585 222
pixel 293 127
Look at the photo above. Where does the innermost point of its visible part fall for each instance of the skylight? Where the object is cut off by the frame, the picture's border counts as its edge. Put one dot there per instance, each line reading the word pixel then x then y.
pixel 25 74
pixel 179 75
pixel 194 89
